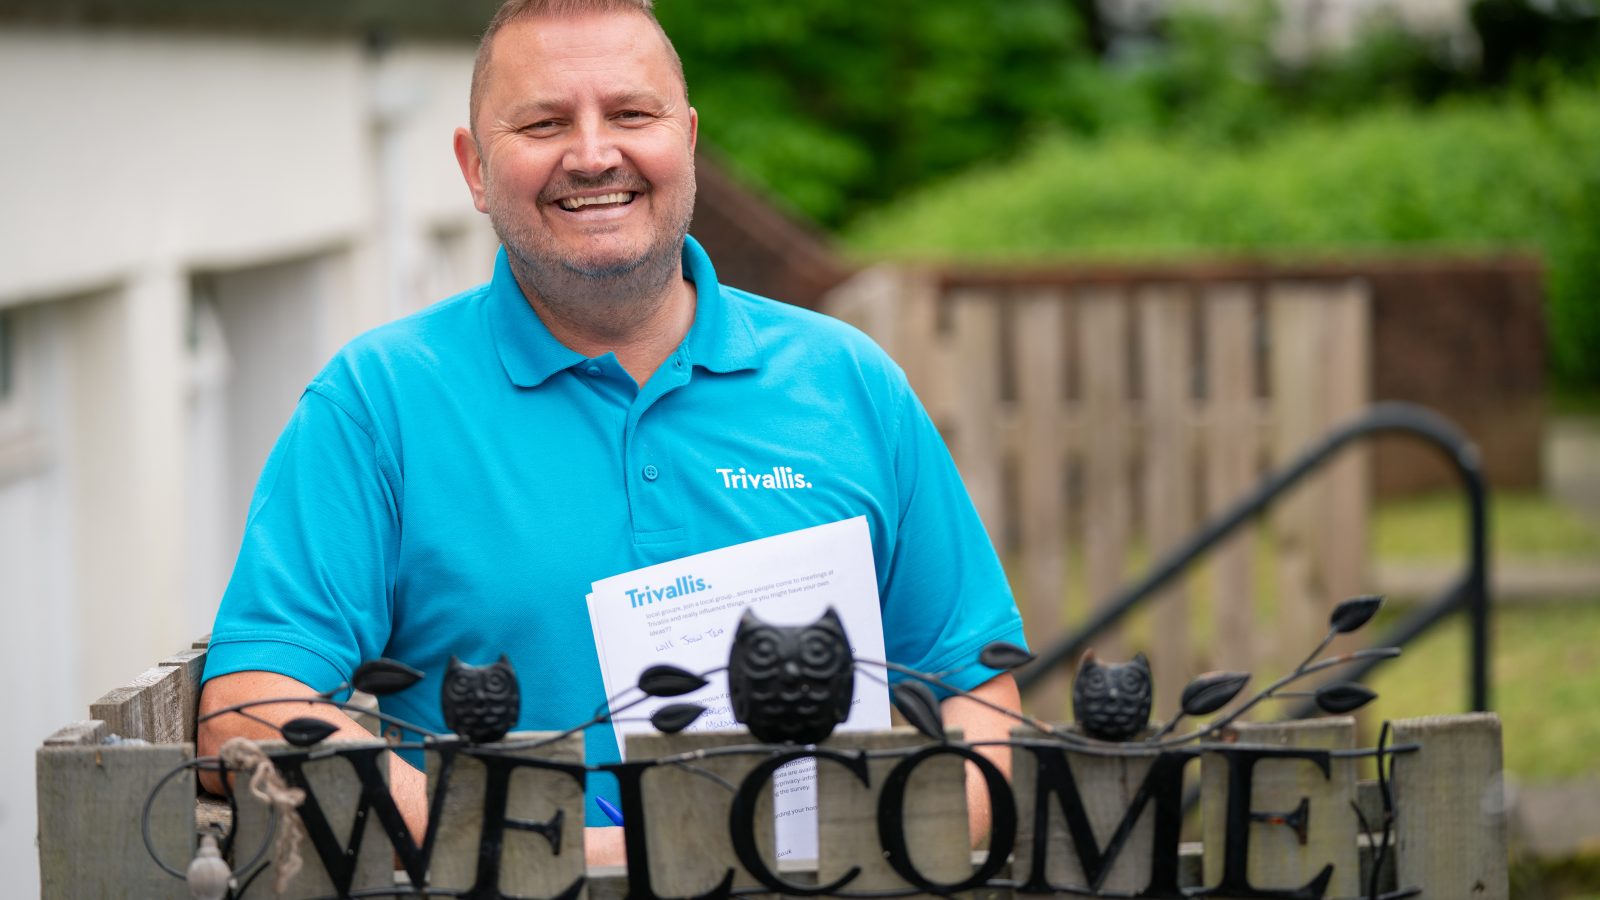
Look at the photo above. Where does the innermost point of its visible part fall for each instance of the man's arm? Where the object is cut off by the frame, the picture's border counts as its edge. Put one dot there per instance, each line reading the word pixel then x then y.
pixel 409 786
pixel 602 846
pixel 980 723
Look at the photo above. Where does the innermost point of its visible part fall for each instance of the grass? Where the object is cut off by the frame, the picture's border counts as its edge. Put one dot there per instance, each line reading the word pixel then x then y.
pixel 1523 528
pixel 1545 685
pixel 1545 669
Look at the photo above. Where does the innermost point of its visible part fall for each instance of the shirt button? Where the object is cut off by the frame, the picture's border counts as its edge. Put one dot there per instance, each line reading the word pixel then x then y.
pixel 593 370
pixel 678 363
pixel 651 473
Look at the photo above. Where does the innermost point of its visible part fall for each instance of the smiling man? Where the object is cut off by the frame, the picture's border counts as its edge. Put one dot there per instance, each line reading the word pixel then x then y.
pixel 452 483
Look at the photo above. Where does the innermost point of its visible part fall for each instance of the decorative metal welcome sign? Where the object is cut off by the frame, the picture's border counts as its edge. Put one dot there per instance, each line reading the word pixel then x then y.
pixel 1092 811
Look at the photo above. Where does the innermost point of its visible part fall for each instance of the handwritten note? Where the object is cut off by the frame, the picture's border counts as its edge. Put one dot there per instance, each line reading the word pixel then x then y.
pixel 684 612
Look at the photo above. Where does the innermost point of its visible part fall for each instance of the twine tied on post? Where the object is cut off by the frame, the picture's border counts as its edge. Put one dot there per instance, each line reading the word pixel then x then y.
pixel 268 786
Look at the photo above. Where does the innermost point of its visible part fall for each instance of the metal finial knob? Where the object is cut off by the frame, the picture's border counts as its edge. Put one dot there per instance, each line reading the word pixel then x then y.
pixel 208 874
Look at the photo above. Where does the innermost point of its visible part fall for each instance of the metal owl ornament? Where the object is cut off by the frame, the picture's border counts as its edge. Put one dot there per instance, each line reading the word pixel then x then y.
pixel 791 683
pixel 1111 701
pixel 481 703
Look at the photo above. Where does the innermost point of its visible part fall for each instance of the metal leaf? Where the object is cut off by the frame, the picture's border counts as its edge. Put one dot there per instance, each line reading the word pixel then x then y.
pixel 384 676
pixel 1343 697
pixel 305 731
pixel 1004 656
pixel 916 702
pixel 675 717
pixel 669 681
pixel 1211 692
pixel 1354 613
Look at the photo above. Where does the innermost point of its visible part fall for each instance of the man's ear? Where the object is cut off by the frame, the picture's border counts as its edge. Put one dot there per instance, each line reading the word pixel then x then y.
pixel 694 128
pixel 471 162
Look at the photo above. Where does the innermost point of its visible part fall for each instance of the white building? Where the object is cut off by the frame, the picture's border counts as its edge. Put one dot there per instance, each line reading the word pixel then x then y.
pixel 191 222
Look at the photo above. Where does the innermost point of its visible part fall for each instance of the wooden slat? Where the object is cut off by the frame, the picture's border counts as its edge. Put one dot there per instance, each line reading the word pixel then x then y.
pixel 1278 859
pixel 976 444
pixel 87 731
pixel 1342 535
pixel 865 300
pixel 1042 514
pixel 1107 785
pixel 90 801
pixel 528 866
pixel 149 708
pixel 935 815
pixel 1450 801
pixel 1102 334
pixel 690 849
pixel 192 664
pixel 1230 453
pixel 334 782
pixel 1168 466
pixel 1298 320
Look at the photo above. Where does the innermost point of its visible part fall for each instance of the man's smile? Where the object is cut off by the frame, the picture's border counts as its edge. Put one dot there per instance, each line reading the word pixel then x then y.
pixel 604 201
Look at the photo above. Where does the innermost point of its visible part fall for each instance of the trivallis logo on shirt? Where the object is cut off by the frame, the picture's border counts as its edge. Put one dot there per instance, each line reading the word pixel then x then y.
pixel 779 478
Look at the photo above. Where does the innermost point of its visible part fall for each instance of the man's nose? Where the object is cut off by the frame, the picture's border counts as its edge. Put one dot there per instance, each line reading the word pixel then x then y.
pixel 593 149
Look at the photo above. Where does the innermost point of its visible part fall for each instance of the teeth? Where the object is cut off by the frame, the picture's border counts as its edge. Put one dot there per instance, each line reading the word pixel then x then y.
pixel 580 202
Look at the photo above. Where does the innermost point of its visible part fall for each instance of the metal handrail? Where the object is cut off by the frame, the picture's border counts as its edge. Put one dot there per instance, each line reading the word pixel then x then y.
pixel 1470 591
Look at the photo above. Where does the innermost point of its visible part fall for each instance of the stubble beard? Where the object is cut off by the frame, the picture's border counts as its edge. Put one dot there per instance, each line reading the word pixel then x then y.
pixel 603 297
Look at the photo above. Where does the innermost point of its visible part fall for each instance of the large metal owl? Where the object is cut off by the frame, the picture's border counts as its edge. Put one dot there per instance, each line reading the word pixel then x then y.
pixel 481 703
pixel 1111 701
pixel 791 683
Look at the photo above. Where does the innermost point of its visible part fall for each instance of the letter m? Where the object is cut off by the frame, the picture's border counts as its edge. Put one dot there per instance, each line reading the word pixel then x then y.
pixel 1055 787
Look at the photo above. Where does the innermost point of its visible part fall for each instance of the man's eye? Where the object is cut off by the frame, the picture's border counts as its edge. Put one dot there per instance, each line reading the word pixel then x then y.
pixel 541 125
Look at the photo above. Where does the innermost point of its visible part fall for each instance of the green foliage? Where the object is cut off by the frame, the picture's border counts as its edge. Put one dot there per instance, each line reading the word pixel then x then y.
pixel 838 105
pixel 1200 135
pixel 1465 174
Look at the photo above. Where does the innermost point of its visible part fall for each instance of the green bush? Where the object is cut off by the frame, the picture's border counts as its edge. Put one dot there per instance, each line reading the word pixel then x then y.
pixel 1476 174
pixel 837 105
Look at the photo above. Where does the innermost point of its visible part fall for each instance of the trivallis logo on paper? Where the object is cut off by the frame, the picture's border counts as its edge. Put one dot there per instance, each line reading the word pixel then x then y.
pixel 778 478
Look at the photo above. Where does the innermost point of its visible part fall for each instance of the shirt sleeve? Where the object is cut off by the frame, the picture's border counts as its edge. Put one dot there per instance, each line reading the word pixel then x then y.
pixel 946 595
pixel 311 594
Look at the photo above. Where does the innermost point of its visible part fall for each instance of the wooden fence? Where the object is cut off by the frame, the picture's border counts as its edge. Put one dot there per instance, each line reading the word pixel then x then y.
pixel 1102 421
pixel 1280 804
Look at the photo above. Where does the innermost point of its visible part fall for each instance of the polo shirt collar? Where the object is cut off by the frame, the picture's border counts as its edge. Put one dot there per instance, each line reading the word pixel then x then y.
pixel 720 340
pixel 529 352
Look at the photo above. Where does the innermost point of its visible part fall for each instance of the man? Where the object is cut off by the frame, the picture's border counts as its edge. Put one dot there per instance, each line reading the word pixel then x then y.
pixel 453 482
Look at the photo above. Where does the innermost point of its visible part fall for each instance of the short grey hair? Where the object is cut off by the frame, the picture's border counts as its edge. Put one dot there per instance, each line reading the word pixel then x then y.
pixel 517 10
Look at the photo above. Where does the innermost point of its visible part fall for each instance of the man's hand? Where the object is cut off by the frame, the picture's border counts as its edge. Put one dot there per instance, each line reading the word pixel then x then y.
pixel 409 786
pixel 980 723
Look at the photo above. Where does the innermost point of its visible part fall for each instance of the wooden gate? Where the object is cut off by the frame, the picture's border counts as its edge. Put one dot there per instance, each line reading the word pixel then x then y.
pixel 1097 423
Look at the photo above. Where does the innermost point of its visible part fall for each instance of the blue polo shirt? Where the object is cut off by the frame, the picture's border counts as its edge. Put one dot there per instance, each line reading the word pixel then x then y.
pixel 453 482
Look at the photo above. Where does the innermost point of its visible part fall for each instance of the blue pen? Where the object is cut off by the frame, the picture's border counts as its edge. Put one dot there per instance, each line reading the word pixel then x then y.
pixel 610 809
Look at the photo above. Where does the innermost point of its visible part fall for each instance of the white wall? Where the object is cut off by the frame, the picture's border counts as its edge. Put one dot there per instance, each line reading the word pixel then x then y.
pixel 191 224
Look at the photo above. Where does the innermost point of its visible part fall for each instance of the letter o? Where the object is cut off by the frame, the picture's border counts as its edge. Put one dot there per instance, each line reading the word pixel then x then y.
pixel 891 820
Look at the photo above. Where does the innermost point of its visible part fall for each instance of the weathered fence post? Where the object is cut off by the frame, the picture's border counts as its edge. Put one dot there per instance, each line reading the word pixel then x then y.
pixel 1451 834
pixel 530 864
pixel 338 791
pixel 934 815
pixel 91 796
pixel 689 841
pixel 1310 821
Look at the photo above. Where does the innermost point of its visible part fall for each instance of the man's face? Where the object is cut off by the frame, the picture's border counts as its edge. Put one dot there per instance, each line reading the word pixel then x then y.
pixel 584 150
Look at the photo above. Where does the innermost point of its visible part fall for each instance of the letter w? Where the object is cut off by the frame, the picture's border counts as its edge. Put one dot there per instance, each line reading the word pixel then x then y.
pixel 1164 782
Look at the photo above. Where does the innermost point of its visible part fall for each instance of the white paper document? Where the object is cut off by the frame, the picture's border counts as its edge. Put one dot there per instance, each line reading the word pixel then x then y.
pixel 684 613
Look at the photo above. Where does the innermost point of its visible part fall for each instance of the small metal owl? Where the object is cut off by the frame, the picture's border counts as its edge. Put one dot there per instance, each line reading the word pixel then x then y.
pixel 481 703
pixel 1112 701
pixel 791 683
